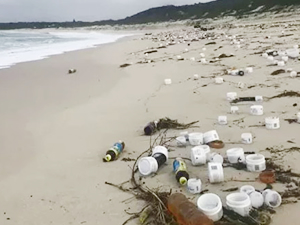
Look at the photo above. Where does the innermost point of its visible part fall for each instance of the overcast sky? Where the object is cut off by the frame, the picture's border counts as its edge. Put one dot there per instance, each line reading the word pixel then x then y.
pixel 85 10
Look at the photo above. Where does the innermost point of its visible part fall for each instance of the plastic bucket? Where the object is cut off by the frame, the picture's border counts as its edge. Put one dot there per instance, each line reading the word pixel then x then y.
pixel 219 80
pixel 168 81
pixel 235 155
pixel 194 185
pixel 272 123
pixel 222 120
pixel 147 166
pixel 181 141
pixel 231 96
pixel 239 202
pixel 246 138
pixel 256 163
pixel 234 109
pixel 257 110
pixel 216 158
pixel 162 150
pixel 257 199
pixel 272 198
pixel 200 154
pixel 211 205
pixel 215 172
pixel 196 139
pixel 210 136
pixel 247 189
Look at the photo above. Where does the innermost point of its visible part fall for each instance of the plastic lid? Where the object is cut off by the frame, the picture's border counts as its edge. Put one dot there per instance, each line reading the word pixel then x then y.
pixel 183 181
pixel 108 157
pixel 146 165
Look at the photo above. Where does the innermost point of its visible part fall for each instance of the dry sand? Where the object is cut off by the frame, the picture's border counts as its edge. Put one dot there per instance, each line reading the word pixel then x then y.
pixel 56 127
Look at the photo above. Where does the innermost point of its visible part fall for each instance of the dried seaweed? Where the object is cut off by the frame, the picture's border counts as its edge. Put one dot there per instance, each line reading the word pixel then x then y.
pixel 291 120
pixel 151 51
pixel 277 72
pixel 287 94
pixel 211 43
pixel 167 123
pixel 125 65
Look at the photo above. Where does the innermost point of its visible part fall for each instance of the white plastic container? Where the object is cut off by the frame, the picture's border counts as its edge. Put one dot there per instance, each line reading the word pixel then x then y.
pixel 293 74
pixel 198 156
pixel 257 199
pixel 270 58
pixel 298 117
pixel 249 70
pixel 193 59
pixel 161 150
pixel 147 165
pixel 234 109
pixel 196 77
pixel 215 172
pixel 196 139
pixel 272 123
pixel 202 55
pixel 194 185
pixel 216 158
pixel 210 136
pixel 219 80
pixel 272 198
pixel 246 138
pixel 292 53
pixel 222 120
pixel 239 202
pixel 247 189
pixel 256 162
pixel 259 98
pixel 168 81
pixel 257 110
pixel 231 96
pixel 285 58
pixel 181 141
pixel 211 205
pixel 265 55
pixel 280 63
pixel 235 155
pixel 203 60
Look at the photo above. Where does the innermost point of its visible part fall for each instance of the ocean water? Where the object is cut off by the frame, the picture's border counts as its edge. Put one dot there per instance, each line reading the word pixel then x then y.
pixel 24 46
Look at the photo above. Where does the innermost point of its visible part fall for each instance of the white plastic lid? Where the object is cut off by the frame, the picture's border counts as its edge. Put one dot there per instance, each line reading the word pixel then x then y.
pixel 147 165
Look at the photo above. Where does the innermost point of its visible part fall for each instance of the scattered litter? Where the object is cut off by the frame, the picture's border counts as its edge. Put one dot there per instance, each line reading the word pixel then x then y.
pixel 194 185
pixel 272 123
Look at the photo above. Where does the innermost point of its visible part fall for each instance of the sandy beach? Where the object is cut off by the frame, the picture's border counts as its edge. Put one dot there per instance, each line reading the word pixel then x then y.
pixel 56 127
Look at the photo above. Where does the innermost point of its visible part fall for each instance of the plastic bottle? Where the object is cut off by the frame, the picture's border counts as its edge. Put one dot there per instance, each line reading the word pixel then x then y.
pixel 150 128
pixel 179 167
pixel 114 152
pixel 185 212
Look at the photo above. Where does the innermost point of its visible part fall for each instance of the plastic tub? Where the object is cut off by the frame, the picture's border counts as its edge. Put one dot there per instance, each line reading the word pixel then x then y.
pixel 168 81
pixel 235 155
pixel 257 199
pixel 161 150
pixel 196 76
pixel 247 189
pixel 231 96
pixel 272 198
pixel 234 109
pixel 181 141
pixel 194 185
pixel 219 80
pixel 259 98
pixel 215 172
pixel 211 205
pixel 246 138
pixel 196 139
pixel 210 136
pixel 256 163
pixel 272 123
pixel 222 120
pixel 198 156
pixel 257 110
pixel 249 70
pixel 147 165
pixel 292 53
pixel 239 202
pixel 216 158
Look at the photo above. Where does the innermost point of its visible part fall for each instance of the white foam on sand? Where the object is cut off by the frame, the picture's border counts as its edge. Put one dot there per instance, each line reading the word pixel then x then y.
pixel 69 41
